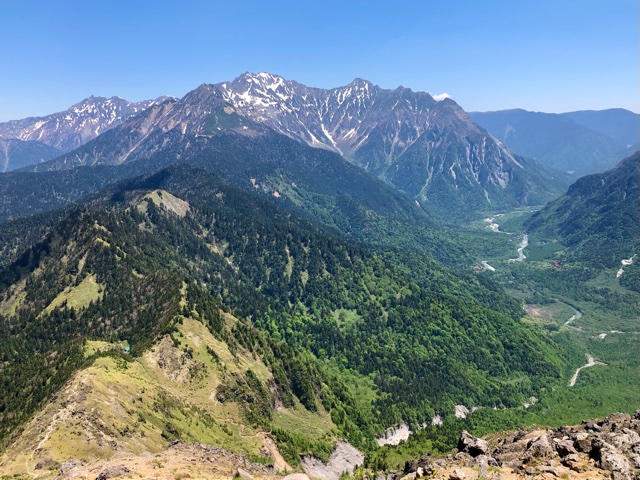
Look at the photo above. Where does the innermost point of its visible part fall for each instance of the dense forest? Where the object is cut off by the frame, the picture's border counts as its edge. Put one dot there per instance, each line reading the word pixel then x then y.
pixel 598 216
pixel 314 304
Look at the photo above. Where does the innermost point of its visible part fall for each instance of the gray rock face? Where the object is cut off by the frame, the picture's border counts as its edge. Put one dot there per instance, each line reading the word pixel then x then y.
pixel 472 445
pixel 420 145
pixel 344 458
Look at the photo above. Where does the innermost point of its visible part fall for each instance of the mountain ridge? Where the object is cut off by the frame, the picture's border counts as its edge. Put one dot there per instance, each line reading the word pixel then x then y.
pixel 406 138
pixel 582 142
pixel 75 126
pixel 598 216
pixel 116 266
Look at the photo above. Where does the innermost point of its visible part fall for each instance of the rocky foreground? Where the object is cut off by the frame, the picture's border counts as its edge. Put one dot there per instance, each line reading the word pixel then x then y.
pixel 596 449
pixel 608 448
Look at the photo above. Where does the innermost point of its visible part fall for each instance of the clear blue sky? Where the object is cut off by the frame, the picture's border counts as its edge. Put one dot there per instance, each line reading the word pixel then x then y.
pixel 540 55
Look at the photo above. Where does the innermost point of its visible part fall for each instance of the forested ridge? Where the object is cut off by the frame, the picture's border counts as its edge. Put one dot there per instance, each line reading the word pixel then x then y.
pixel 314 303
pixel 597 217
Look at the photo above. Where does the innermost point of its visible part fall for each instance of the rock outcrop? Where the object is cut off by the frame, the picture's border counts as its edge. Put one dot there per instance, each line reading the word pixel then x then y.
pixel 604 448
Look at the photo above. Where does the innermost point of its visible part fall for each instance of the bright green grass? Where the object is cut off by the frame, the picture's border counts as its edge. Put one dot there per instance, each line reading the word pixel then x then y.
pixel 80 296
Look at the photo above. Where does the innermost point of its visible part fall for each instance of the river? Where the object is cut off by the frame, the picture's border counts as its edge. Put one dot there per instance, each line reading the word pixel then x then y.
pixel 523 245
pixel 590 363
pixel 575 316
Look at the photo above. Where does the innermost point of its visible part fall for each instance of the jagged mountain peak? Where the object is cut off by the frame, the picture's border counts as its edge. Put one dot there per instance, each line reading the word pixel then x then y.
pixel 75 126
pixel 361 83
pixel 205 93
pixel 260 83
pixel 427 148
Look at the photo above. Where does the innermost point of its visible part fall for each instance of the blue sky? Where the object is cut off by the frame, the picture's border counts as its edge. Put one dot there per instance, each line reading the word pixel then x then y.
pixel 541 55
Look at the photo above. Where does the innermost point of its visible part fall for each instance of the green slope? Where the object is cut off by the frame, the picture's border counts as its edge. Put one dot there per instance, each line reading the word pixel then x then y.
pixel 598 216
pixel 311 182
pixel 315 307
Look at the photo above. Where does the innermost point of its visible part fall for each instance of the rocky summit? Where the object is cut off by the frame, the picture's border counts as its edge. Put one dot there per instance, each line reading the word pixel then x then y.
pixel 604 448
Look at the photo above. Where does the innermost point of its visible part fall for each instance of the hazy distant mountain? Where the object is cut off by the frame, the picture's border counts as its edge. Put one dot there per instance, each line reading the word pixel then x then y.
pixel 620 124
pixel 581 142
pixel 18 153
pixel 75 126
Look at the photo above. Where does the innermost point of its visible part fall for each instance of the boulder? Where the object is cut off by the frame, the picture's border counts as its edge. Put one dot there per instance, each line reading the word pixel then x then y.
pixel 572 461
pixel 538 447
pixel 482 463
pixel 625 439
pixel 463 458
pixel 413 465
pixel 564 447
pixel 612 460
pixel 457 475
pixel 582 442
pixel 409 476
pixel 472 445
pixel 555 471
pixel 618 421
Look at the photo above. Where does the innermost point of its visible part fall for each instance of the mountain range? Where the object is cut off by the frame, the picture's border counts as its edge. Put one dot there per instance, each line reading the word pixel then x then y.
pixel 428 149
pixel 581 142
pixel 278 270
pixel 37 139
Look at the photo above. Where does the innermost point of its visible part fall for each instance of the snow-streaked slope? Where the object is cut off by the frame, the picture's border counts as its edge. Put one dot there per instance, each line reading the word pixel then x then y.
pixel 77 125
